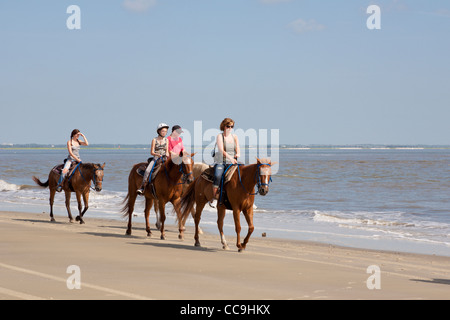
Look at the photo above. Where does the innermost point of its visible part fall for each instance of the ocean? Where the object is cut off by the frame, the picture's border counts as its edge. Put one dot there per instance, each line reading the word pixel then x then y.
pixel 380 198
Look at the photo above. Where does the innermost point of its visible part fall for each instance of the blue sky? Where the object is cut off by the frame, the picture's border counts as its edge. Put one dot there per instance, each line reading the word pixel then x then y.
pixel 311 69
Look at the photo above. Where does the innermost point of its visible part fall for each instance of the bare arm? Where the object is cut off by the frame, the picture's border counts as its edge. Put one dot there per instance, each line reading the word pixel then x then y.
pixel 85 142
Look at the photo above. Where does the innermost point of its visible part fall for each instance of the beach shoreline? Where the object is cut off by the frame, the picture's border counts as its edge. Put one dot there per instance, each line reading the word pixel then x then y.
pixel 36 255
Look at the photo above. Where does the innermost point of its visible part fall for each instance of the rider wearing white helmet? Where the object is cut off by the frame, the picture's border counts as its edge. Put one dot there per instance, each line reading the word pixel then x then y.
pixel 160 149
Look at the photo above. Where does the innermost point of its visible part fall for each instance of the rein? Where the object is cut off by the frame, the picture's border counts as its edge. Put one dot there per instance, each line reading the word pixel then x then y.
pixel 257 177
pixel 81 174
pixel 181 170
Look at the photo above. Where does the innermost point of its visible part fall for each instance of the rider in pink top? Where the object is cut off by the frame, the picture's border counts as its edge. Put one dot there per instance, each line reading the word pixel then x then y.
pixel 175 142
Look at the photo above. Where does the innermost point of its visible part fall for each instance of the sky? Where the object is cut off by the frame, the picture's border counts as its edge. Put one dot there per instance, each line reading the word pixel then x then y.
pixel 311 69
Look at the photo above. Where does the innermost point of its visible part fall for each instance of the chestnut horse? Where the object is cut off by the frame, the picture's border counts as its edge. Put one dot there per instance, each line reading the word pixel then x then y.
pixel 240 195
pixel 168 188
pixel 79 182
pixel 197 169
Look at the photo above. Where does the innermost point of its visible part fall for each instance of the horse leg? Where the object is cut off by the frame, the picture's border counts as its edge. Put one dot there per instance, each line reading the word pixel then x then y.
pixel 80 207
pixel 131 201
pixel 248 214
pixel 197 217
pixel 237 227
pixel 148 206
pixel 181 221
pixel 86 203
pixel 162 218
pixel 68 194
pixel 155 207
pixel 220 217
pixel 86 206
pixel 52 200
pixel 200 231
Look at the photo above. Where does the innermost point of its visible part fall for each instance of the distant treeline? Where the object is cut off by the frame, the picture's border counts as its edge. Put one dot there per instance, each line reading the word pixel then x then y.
pixel 283 146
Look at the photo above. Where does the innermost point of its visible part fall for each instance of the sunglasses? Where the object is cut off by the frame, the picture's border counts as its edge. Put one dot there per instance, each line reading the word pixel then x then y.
pixel 230 127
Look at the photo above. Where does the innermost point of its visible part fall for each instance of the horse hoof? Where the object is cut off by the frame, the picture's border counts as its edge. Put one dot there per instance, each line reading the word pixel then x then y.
pixel 81 221
pixel 225 247
pixel 52 220
pixel 197 244
pixel 180 237
pixel 71 221
pixel 77 218
pixel 128 233
pixel 163 237
pixel 149 234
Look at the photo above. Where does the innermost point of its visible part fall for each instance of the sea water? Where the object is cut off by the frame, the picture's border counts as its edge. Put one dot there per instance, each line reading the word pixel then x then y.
pixel 384 198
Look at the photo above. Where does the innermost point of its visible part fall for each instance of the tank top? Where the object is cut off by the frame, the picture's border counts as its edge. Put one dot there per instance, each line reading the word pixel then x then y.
pixel 230 149
pixel 75 151
pixel 160 147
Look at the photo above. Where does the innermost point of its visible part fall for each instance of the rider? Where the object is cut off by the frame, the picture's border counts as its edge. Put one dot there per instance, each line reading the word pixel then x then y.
pixel 228 152
pixel 73 146
pixel 175 142
pixel 160 149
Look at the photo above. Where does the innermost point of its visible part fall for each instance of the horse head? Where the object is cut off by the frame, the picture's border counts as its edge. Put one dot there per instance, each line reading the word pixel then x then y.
pixel 98 176
pixel 264 175
pixel 186 163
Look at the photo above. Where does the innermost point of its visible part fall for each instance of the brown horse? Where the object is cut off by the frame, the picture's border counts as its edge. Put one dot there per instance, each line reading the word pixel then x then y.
pixel 79 183
pixel 240 195
pixel 197 169
pixel 168 188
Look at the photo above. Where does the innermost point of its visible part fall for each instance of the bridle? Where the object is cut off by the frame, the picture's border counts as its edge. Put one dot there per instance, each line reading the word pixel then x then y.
pixel 257 178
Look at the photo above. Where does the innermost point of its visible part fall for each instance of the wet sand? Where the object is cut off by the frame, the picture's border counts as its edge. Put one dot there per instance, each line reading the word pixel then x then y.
pixel 35 255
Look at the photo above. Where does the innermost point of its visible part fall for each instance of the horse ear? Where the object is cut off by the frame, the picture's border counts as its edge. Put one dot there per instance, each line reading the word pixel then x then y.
pixel 193 154
pixel 104 164
pixel 257 160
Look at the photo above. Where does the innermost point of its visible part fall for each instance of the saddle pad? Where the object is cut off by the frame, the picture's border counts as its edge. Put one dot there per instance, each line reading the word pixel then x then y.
pixel 141 169
pixel 208 174
pixel 58 169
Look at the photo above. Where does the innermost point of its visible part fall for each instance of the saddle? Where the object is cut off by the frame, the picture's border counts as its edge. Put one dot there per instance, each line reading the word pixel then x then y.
pixel 59 168
pixel 141 169
pixel 208 175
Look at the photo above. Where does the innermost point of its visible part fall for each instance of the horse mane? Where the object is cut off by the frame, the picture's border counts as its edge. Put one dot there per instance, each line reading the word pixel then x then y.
pixel 265 160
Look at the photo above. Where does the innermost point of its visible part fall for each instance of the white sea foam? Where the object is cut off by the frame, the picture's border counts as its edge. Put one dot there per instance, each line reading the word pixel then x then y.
pixel 5 186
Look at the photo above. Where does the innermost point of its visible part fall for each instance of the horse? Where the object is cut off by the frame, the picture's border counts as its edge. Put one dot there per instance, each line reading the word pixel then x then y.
pixel 197 170
pixel 239 191
pixel 79 182
pixel 167 189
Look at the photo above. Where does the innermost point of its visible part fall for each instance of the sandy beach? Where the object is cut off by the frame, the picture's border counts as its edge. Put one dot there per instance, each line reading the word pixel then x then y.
pixel 36 254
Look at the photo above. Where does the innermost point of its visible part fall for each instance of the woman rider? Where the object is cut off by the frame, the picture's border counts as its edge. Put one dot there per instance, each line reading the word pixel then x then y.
pixel 228 152
pixel 159 149
pixel 73 146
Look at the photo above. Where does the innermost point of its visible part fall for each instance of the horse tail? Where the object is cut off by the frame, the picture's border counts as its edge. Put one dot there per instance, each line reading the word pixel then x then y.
pixel 39 183
pixel 126 208
pixel 187 201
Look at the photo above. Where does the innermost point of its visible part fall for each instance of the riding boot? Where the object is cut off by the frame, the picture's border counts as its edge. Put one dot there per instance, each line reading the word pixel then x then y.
pixel 61 179
pixel 141 190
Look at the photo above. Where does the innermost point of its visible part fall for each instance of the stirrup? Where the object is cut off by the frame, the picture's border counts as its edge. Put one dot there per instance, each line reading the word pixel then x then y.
pixel 140 191
pixel 59 188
